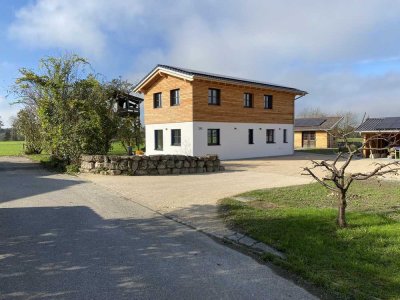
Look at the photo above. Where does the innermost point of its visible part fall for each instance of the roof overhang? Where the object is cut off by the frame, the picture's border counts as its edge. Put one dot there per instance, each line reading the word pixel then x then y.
pixel 380 131
pixel 253 84
pixel 159 71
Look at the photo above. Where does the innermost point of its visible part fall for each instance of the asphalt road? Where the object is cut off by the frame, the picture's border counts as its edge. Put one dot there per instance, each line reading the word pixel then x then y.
pixel 65 238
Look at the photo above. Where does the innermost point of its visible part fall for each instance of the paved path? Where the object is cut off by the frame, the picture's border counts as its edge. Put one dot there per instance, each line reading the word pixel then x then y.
pixel 62 237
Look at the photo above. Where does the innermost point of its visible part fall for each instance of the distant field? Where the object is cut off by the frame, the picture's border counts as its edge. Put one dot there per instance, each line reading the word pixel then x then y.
pixel 12 148
pixel 15 148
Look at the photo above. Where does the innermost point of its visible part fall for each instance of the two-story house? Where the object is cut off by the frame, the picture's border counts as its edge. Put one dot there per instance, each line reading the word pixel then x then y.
pixel 196 113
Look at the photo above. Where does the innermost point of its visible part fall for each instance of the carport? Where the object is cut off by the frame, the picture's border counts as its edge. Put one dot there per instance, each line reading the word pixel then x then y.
pixel 381 136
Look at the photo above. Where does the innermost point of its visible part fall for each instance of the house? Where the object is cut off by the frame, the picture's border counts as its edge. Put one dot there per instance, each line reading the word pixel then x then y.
pixel 197 113
pixel 379 135
pixel 315 132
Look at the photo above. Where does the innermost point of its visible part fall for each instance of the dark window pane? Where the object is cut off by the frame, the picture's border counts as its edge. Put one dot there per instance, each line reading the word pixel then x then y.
pixel 157 100
pixel 213 137
pixel 174 97
pixel 158 139
pixel 248 100
pixel 213 97
pixel 175 137
pixel 270 135
pixel 251 136
pixel 268 101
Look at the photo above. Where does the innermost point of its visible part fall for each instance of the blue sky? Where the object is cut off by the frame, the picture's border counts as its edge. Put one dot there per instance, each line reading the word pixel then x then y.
pixel 346 54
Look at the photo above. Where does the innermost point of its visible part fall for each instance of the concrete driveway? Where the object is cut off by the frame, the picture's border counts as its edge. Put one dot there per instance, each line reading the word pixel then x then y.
pixel 62 237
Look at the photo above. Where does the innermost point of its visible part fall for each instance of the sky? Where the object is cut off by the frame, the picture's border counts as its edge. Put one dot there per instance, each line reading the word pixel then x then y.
pixel 344 53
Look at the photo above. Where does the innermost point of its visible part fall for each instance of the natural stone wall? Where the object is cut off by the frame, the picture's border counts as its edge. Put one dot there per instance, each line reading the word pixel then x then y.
pixel 149 165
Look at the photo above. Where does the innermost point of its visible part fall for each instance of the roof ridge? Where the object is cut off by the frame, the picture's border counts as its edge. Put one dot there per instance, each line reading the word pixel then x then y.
pixel 227 77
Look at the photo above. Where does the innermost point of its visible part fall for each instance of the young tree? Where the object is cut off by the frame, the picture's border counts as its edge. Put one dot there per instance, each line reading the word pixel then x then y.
pixel 336 178
pixel 27 124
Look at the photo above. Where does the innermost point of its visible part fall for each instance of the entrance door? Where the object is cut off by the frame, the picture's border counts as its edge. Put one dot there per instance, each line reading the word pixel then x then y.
pixel 308 139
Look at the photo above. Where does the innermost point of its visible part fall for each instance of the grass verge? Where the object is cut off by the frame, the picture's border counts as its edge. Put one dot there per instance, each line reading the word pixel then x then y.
pixel 359 262
pixel 11 148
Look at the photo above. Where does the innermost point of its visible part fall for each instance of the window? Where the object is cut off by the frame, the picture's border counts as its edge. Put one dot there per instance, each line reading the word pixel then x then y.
pixel 175 137
pixel 174 97
pixel 285 135
pixel 248 100
pixel 213 137
pixel 214 97
pixel 268 101
pixel 158 139
pixel 157 100
pixel 270 136
pixel 251 135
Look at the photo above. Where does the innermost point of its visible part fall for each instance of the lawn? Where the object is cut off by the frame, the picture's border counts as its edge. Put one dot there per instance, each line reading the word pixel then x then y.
pixel 15 148
pixel 359 262
pixel 11 148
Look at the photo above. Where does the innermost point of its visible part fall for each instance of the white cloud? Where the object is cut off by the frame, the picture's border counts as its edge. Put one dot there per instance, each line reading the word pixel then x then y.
pixel 7 111
pixel 75 25
pixel 310 44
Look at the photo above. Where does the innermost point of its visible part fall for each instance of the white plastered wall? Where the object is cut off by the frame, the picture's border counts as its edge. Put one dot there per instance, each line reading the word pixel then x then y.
pixel 186 147
pixel 233 137
pixel 234 140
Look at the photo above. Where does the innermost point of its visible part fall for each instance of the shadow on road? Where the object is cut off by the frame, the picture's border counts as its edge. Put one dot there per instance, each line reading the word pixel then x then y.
pixel 13 183
pixel 52 258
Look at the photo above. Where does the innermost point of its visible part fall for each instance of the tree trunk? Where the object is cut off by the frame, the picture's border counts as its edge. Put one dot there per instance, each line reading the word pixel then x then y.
pixel 341 220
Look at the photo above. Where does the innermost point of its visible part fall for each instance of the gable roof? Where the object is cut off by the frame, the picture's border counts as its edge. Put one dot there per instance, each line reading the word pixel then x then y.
pixel 316 124
pixel 380 124
pixel 190 75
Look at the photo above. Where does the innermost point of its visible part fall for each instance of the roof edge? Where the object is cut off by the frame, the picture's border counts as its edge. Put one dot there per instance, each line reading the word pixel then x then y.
pixel 191 75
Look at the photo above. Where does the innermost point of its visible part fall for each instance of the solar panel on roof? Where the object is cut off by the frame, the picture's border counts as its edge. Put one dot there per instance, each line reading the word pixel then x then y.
pixel 312 122
pixel 389 123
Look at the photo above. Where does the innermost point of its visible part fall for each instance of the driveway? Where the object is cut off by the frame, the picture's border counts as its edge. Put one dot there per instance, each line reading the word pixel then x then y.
pixel 193 198
pixel 62 237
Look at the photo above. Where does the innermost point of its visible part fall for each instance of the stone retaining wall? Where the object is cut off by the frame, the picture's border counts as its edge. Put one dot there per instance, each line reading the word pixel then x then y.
pixel 149 165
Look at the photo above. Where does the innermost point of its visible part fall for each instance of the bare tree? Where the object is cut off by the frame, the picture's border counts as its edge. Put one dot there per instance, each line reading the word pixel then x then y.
pixel 314 112
pixel 336 179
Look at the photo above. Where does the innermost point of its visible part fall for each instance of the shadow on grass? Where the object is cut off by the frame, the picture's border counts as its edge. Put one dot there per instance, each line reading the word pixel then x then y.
pixel 360 261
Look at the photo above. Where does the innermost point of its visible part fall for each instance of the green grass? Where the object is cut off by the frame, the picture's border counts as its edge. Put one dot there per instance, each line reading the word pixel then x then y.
pixel 359 262
pixel 11 148
pixel 117 149
pixel 319 151
pixel 15 148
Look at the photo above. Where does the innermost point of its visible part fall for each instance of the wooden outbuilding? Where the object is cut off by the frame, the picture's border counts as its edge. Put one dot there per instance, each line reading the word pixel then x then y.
pixel 314 132
pixel 381 136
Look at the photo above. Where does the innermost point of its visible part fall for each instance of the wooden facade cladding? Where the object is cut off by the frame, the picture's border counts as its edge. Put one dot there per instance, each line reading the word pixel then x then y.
pixel 322 139
pixel 167 113
pixel 194 102
pixel 232 109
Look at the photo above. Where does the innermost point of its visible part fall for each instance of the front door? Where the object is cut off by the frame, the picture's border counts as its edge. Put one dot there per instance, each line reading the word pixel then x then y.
pixel 308 139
